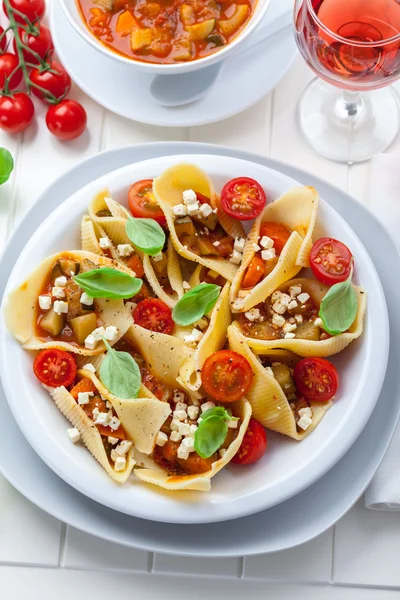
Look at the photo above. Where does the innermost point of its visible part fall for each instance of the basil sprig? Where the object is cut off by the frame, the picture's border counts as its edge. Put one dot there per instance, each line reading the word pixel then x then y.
pixel 339 307
pixel 212 431
pixel 6 165
pixel 108 283
pixel 120 373
pixel 146 235
pixel 196 303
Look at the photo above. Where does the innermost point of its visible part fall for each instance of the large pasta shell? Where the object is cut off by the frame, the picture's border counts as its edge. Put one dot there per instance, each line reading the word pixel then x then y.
pixel 270 405
pixel 174 277
pixel 168 189
pixel 320 348
pixel 113 225
pixel 297 209
pixel 89 433
pixel 212 341
pixel 157 476
pixel 20 311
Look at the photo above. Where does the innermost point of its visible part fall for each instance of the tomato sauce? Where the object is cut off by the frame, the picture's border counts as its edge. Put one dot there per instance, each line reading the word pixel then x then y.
pixel 166 31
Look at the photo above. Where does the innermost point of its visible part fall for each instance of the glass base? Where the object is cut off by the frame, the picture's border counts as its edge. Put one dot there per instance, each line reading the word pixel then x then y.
pixel 348 127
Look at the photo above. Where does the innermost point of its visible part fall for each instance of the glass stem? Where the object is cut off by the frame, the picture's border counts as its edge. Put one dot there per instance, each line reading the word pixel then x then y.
pixel 352 103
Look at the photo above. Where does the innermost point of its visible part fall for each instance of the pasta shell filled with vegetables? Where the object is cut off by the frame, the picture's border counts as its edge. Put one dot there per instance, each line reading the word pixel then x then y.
pixel 272 394
pixel 289 319
pixel 199 229
pixel 277 247
pixel 50 309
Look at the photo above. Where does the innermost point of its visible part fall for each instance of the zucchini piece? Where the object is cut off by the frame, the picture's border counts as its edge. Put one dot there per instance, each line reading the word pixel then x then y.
pixel 206 247
pixel 104 213
pixel 52 322
pixel 200 31
pixel 230 26
pixel 210 222
pixel 56 272
pixel 187 14
pixel 307 331
pixel 68 266
pixel 83 326
pixel 182 50
pixel 184 226
pixel 216 39
pixel 160 266
pixel 284 378
pixel 141 39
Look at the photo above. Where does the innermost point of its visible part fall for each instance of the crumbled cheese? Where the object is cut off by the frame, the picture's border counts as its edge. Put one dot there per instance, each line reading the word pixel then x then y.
pixel 266 242
pixel 45 302
pixel 90 342
pixel 178 396
pixel 207 406
pixel 125 250
pixel 60 307
pixel 279 308
pixel 189 197
pixel 60 281
pixel 58 292
pixel 103 418
pixel 193 209
pixel 278 320
pixel 186 447
pixel 179 210
pixel 253 314
pixel 256 247
pixel 98 333
pixel 83 397
pixel 236 257
pixel 295 290
pixel 74 435
pixel 289 336
pixel 89 367
pixel 318 321
pixel 194 337
pixel 285 300
pixel 192 430
pixel 181 406
pixel 185 285
pixel 193 412
pixel 161 439
pixel 104 243
pixel 239 244
pixel 112 440
pixel 268 254
pixel 233 424
pixel 180 415
pixel 184 429
pixel 123 448
pixel 305 412
pixel 86 300
pixel 304 423
pixel 292 305
pixel 158 257
pixel 222 452
pixel 298 318
pixel 205 210
pixel 114 423
pixel 111 333
pixel 276 296
pixel 216 243
pixel 175 436
pixel 120 464
pixel 288 327
pixel 174 425
pixel 201 323
pixel 95 413
pixel 302 298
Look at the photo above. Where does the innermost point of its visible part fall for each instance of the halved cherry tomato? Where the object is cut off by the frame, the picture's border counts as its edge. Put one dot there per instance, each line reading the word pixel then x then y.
pixel 277 232
pixel 55 367
pixel 254 272
pixel 243 198
pixel 331 261
pixel 226 376
pixel 136 265
pixel 316 379
pixel 253 446
pixel 155 315
pixel 142 202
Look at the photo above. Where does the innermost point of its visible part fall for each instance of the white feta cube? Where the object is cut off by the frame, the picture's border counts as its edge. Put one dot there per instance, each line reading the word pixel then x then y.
pixel 45 302
pixel 115 423
pixel 192 430
pixel 279 308
pixel 295 290
pixel 103 418
pixel 58 292
pixel 104 243
pixel 256 247
pixel 298 318
pixel 125 250
pixel 161 439
pixel 60 307
pixel 278 320
pixel 180 210
pixel 189 197
pixel 86 299
pixel 194 337
pixel 175 425
pixel 292 305
pixel 186 447
pixel 205 210
pixel 233 424
pixel 180 415
pixel 184 429
pixel 253 314
pixel 90 342
pixel 123 447
pixel 216 243
pixel 289 336
pixel 302 298
pixel 276 296
pixel 222 452
pixel 268 254
pixel 193 209
pixel 185 285
pixel 266 242
pixel 111 333
pixel 112 440
pixel 74 435
pixel 239 244
pixel 304 423
pixel 285 300
pixel 181 406
pixel 175 436
pixel 84 397
pixel 178 396
pixel 120 464
pixel 207 406
pixel 60 281
pixel 158 257
pixel 193 412
pixel 95 413
pixel 288 327
pixel 98 333
pixel 236 257
pixel 305 412
pixel 319 323
pixel 89 367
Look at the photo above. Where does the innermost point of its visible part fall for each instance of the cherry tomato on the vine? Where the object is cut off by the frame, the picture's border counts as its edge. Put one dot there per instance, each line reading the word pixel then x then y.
pixel 3 40
pixel 54 79
pixel 8 63
pixel 16 112
pixel 32 9
pixel 66 120
pixel 41 43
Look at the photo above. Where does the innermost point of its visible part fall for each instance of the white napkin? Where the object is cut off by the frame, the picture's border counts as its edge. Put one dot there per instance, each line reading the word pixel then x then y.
pixel 384 491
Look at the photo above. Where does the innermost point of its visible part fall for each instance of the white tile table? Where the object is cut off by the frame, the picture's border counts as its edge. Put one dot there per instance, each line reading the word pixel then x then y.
pixel 41 557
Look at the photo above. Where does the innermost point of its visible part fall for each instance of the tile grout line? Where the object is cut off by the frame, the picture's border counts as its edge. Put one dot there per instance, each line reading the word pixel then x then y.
pixel 63 545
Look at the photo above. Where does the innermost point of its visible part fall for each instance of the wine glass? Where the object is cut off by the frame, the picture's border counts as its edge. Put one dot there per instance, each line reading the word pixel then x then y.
pixel 353 45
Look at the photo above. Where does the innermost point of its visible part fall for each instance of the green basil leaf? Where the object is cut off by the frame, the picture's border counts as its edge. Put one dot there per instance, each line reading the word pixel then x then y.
pixel 217 411
pixel 210 435
pixel 196 303
pixel 6 165
pixel 146 234
pixel 120 373
pixel 108 283
pixel 339 307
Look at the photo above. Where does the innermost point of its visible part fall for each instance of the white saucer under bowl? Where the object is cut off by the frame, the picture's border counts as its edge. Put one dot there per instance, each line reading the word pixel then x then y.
pixel 124 90
pixel 272 530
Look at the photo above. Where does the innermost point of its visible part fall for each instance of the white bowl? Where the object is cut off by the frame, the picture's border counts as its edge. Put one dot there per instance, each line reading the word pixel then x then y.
pixel 73 14
pixel 288 467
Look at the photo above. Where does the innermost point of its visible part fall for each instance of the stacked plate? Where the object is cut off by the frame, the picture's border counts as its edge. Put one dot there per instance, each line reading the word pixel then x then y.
pixel 321 477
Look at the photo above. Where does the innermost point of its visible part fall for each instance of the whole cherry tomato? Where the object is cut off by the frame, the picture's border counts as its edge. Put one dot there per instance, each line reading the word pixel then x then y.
pixel 66 120
pixel 253 446
pixel 32 9
pixel 8 63
pixel 54 79
pixel 16 112
pixel 41 43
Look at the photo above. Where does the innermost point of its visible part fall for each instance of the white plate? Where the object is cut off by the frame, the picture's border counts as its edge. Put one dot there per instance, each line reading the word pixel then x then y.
pixel 126 91
pixel 288 467
pixel 274 529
